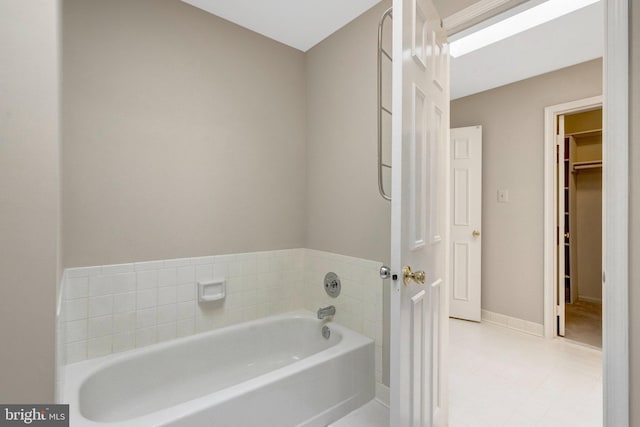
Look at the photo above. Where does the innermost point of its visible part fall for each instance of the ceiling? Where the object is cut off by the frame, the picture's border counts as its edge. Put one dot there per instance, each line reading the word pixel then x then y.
pixel 299 24
pixel 565 41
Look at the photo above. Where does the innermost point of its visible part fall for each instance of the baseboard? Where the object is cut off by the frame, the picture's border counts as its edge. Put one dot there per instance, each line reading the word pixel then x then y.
pixel 590 299
pixel 383 394
pixel 514 323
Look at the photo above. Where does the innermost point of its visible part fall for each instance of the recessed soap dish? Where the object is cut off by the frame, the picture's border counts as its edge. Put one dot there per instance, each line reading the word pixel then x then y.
pixel 211 290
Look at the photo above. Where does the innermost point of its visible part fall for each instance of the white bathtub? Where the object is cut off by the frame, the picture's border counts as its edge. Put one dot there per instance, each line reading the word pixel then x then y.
pixel 278 371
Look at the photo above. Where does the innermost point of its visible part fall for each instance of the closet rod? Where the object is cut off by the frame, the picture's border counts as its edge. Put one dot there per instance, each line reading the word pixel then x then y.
pixel 578 166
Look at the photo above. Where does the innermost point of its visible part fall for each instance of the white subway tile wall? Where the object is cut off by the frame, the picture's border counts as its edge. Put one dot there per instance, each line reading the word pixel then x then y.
pixel 114 308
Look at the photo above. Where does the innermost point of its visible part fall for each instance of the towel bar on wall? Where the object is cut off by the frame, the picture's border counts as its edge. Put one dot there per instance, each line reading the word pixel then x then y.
pixel 381 109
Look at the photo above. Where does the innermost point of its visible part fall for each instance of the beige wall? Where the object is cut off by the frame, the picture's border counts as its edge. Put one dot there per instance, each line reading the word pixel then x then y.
pixel 512 119
pixel 589 234
pixel 586 207
pixel 589 148
pixel 29 198
pixel 183 135
pixel 634 223
pixel 583 122
pixel 346 215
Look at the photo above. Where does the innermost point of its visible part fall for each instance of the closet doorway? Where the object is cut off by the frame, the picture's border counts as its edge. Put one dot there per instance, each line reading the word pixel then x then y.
pixel 580 220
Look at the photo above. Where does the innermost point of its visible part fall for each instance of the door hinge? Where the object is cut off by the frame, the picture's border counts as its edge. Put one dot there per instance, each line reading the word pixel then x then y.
pixel 557 310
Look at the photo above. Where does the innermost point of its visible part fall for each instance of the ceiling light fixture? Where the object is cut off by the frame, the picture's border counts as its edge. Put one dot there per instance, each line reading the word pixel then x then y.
pixel 515 24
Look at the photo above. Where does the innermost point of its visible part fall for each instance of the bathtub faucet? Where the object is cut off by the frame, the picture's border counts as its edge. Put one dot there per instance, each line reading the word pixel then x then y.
pixel 326 312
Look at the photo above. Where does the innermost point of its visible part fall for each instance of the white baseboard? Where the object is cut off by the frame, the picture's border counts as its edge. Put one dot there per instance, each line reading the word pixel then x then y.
pixel 520 325
pixel 383 394
pixel 590 299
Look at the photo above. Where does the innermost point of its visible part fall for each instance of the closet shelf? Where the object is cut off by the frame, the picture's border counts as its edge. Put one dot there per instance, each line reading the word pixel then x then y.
pixel 585 133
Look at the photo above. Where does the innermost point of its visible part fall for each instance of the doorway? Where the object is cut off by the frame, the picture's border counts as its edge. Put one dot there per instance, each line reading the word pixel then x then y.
pixel 579 214
pixel 615 218
pixel 574 157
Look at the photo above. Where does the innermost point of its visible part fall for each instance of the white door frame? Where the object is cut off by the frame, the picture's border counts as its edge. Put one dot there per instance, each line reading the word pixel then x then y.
pixel 551 206
pixel 615 215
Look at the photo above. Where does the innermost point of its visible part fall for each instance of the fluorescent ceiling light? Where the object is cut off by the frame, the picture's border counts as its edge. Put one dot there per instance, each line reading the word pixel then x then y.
pixel 515 24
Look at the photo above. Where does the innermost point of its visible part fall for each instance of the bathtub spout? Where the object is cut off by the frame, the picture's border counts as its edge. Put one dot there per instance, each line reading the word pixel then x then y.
pixel 326 312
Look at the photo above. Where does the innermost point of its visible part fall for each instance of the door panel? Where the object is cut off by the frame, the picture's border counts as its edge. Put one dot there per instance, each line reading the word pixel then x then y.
pixel 466 222
pixel 419 211
pixel 461 193
pixel 461 291
pixel 438 410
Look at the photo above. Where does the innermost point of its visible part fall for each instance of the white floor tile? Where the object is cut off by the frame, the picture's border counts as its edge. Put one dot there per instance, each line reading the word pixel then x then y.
pixel 502 378
pixel 535 381
pixel 372 414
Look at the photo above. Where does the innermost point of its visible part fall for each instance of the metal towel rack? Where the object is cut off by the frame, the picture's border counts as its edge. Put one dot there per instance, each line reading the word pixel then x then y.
pixel 381 108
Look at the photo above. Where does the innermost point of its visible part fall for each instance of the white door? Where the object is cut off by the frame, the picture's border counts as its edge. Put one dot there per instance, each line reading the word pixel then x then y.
pixel 419 216
pixel 563 236
pixel 466 221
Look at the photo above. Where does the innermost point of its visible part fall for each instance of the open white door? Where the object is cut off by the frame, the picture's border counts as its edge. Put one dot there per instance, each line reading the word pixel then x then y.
pixel 563 236
pixel 419 216
pixel 466 222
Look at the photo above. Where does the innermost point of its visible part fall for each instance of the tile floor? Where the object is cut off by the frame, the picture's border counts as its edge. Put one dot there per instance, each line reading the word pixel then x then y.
pixel 372 414
pixel 503 378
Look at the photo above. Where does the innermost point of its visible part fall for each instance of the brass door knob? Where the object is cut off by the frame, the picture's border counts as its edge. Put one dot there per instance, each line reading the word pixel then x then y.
pixel 417 276
pixel 476 233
